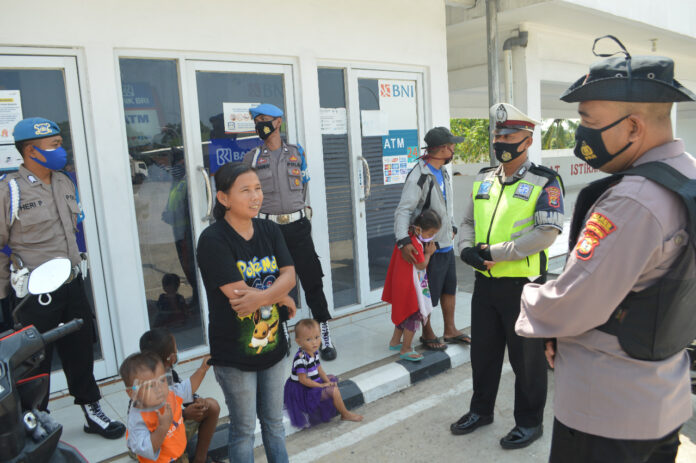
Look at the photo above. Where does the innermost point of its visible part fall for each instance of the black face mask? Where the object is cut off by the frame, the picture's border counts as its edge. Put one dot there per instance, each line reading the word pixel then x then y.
pixel 506 152
pixel 590 147
pixel 264 129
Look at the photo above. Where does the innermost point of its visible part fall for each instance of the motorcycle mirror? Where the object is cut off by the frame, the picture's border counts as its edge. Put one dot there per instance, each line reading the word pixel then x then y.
pixel 49 276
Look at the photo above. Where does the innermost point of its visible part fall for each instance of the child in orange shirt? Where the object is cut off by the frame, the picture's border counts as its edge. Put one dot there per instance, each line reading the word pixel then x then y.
pixel 156 430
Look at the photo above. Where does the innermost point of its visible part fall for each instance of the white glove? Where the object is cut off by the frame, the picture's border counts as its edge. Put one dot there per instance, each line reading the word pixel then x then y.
pixel 19 279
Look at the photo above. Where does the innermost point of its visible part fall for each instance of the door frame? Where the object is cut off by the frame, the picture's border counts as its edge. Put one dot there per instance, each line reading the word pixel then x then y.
pixel 368 296
pixel 198 199
pixel 79 118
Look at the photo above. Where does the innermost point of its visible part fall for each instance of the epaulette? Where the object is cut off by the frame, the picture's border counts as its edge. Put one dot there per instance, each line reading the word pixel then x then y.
pixel 548 173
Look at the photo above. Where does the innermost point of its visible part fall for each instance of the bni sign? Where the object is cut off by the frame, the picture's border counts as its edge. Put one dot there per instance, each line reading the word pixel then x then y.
pixel 222 151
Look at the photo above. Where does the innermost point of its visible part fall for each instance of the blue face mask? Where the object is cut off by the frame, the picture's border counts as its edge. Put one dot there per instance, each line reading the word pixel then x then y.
pixel 55 159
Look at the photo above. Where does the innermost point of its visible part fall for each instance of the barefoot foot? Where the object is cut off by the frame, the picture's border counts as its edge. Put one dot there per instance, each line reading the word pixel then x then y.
pixel 350 416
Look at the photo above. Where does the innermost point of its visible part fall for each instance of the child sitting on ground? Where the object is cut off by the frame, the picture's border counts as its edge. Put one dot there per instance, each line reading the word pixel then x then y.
pixel 406 285
pixel 200 415
pixel 155 423
pixel 312 397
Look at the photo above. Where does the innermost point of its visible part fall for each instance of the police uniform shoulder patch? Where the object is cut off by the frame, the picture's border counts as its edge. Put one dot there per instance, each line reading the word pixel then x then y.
pixel 597 227
pixel 523 191
pixel 554 196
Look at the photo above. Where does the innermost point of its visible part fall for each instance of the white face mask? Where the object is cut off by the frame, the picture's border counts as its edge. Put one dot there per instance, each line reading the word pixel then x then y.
pixel 426 240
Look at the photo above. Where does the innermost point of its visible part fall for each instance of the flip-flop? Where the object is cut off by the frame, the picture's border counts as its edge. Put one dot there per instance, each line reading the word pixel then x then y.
pixel 459 339
pixel 433 344
pixel 408 356
pixel 396 347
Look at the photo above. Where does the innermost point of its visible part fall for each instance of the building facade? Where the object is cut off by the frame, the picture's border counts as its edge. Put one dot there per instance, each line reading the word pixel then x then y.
pixel 152 97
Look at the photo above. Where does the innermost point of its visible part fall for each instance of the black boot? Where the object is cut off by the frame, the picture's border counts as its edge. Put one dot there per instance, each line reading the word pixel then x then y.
pixel 99 423
pixel 327 350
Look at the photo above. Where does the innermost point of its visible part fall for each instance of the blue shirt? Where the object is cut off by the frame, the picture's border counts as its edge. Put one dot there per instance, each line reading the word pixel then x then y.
pixel 441 182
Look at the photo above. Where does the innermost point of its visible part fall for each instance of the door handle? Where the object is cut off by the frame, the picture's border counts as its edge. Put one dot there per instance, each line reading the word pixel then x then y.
pixel 368 178
pixel 208 192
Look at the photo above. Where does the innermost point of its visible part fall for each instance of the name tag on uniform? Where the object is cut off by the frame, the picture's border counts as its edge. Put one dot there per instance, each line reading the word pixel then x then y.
pixel 484 190
pixel 523 191
pixel 261 161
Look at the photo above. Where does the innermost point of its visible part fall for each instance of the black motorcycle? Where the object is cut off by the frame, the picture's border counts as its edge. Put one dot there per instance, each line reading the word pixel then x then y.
pixel 28 435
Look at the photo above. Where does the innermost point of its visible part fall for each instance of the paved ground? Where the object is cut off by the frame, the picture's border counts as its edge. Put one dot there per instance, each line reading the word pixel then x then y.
pixel 413 426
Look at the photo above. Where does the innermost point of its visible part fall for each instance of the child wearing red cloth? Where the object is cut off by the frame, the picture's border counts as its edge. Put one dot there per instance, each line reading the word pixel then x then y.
pixel 406 286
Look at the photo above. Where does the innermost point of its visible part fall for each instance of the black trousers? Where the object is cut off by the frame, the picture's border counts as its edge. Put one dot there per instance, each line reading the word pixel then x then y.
pixel 75 350
pixel 569 445
pixel 495 306
pixel 298 237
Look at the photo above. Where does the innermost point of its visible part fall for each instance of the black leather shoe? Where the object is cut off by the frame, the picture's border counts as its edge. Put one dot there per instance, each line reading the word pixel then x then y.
pixel 469 423
pixel 327 351
pixel 521 437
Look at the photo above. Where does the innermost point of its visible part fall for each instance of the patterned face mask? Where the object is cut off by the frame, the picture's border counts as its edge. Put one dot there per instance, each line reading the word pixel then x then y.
pixel 590 147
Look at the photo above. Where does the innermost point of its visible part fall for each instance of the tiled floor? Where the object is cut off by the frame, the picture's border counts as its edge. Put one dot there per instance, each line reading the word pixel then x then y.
pixel 361 339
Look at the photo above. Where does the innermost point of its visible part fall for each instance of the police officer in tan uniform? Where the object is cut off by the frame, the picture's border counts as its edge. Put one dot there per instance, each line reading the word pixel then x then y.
pixel 38 221
pixel 282 170
pixel 610 406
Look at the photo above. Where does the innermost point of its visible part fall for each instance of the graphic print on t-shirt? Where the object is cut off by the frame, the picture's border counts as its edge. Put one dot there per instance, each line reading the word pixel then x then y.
pixel 259 329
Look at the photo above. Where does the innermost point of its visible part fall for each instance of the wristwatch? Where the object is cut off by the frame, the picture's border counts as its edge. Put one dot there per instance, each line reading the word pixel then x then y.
pixel 403 242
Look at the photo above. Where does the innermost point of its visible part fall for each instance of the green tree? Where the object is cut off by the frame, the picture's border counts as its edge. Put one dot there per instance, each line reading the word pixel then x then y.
pixel 476 140
pixel 559 135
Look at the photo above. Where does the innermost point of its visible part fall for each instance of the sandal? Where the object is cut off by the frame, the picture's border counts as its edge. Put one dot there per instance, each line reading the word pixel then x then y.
pixel 412 356
pixel 433 344
pixel 396 347
pixel 458 339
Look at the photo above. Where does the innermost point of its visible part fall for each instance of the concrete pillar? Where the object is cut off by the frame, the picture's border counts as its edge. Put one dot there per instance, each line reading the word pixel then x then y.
pixel 526 72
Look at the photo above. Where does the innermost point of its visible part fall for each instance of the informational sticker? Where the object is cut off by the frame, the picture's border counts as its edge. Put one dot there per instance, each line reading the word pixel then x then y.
pixel 237 117
pixel 10 159
pixel 142 115
pixel 397 98
pixel 375 123
pixel 401 145
pixel 10 114
pixel 223 150
pixel 333 121
pixel 395 169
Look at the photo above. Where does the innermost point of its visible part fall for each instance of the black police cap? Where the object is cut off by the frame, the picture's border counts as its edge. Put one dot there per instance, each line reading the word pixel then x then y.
pixel 640 79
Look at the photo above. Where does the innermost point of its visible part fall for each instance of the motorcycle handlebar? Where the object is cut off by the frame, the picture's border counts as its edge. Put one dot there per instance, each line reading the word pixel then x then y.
pixel 62 330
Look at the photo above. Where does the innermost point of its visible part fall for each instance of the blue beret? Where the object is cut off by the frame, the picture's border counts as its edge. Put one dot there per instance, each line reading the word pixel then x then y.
pixel 33 128
pixel 266 109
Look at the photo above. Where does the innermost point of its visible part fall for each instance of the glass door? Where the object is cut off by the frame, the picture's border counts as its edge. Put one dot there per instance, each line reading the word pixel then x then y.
pixel 219 127
pixel 48 86
pixel 387 120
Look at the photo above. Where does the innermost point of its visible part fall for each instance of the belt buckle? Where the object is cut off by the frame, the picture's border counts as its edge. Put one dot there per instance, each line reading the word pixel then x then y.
pixel 283 219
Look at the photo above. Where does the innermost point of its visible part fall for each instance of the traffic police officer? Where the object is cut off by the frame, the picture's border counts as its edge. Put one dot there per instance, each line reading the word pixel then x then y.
pixel 610 406
pixel 515 214
pixel 38 221
pixel 282 170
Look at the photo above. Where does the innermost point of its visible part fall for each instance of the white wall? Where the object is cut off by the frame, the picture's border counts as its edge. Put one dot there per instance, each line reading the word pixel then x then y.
pixel 409 33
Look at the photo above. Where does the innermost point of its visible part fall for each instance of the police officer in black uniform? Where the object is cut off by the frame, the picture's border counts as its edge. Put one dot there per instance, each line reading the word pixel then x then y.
pixel 282 169
pixel 39 213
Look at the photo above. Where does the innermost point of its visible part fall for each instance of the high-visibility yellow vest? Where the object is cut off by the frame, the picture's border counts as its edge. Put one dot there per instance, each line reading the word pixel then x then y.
pixel 505 212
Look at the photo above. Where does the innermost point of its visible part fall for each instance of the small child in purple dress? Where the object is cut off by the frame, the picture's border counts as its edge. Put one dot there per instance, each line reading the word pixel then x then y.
pixel 312 396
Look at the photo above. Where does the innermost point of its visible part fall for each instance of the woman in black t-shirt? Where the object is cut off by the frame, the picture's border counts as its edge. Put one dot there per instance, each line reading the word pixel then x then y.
pixel 248 272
